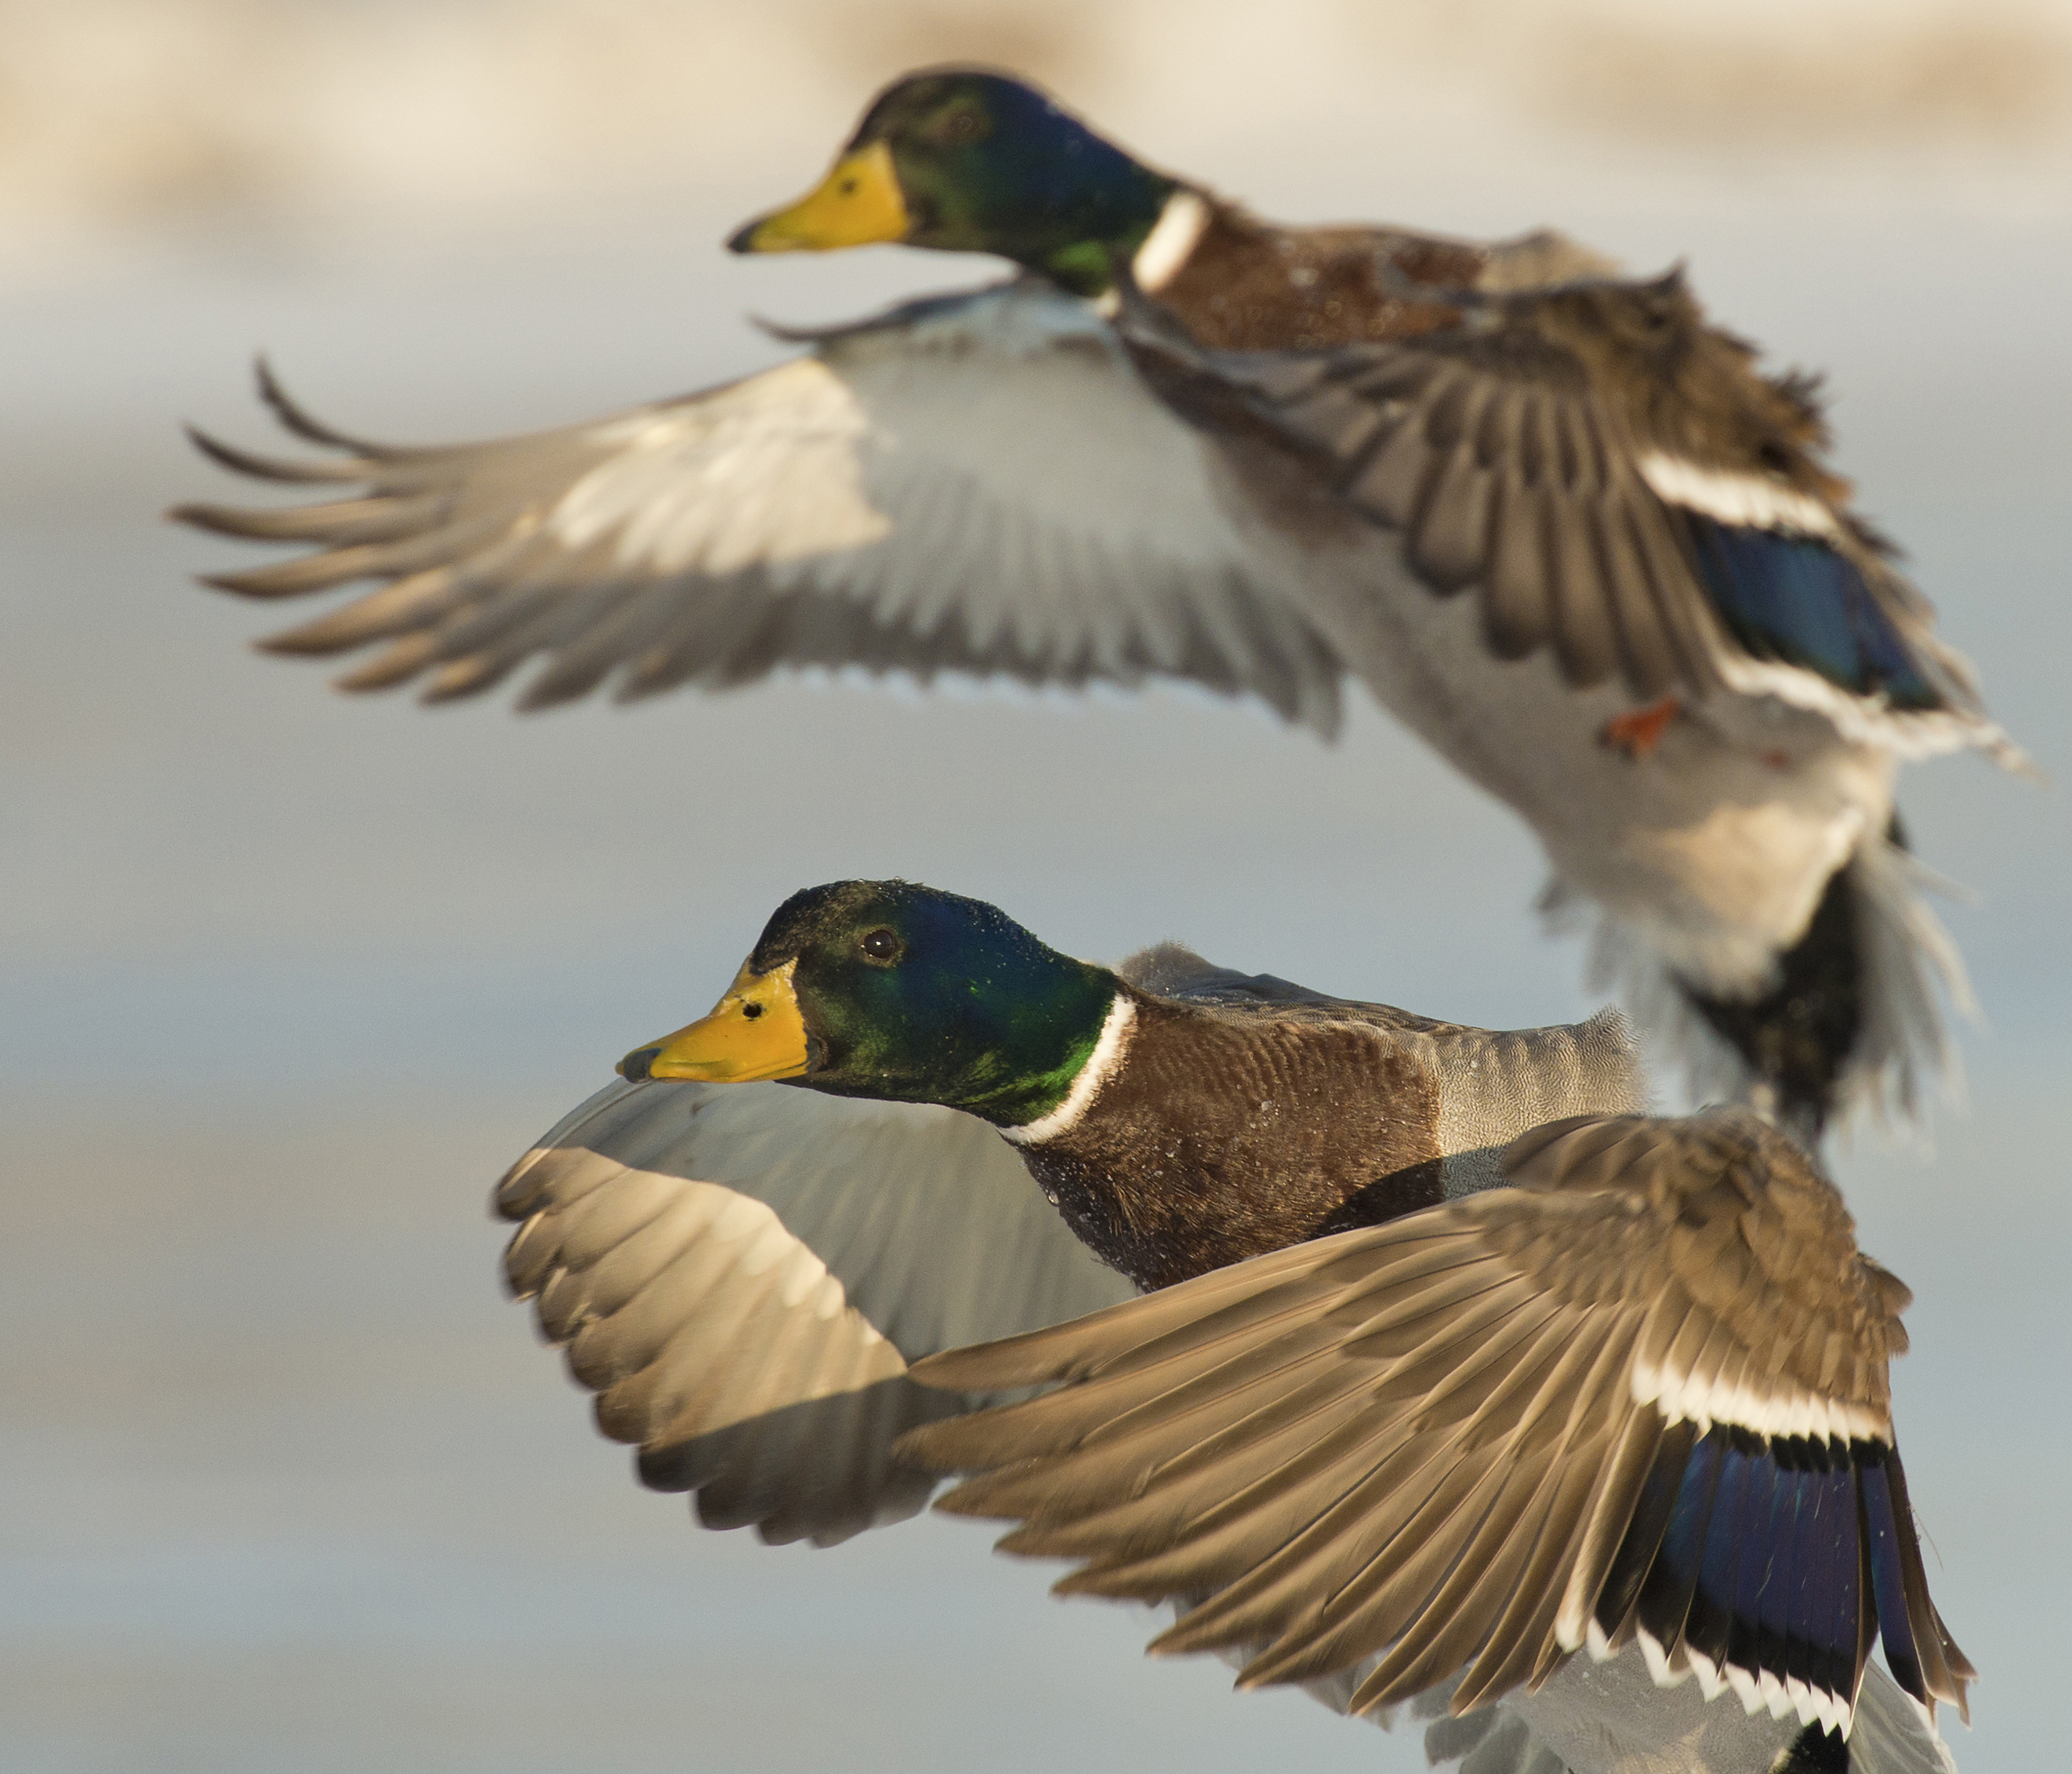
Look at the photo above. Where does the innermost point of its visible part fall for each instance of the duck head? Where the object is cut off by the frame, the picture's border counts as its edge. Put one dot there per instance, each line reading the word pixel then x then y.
pixel 888 989
pixel 970 162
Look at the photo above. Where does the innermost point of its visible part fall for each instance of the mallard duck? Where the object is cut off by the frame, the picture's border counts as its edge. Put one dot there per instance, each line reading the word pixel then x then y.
pixel 744 1273
pixel 1188 442
pixel 956 1247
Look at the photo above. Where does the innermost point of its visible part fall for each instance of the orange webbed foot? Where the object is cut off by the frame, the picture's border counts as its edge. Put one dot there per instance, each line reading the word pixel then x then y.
pixel 1639 731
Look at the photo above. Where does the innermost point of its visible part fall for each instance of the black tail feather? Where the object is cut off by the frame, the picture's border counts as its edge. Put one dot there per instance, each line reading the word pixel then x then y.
pixel 1798 1037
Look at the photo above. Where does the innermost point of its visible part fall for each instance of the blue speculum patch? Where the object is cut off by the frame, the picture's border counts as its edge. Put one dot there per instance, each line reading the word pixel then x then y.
pixel 1795 600
pixel 1777 1554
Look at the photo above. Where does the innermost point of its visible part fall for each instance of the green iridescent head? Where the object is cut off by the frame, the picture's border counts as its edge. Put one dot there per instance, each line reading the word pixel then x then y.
pixel 887 989
pixel 970 161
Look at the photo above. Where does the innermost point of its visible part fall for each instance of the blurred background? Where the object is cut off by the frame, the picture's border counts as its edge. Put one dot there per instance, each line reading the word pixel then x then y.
pixel 287 977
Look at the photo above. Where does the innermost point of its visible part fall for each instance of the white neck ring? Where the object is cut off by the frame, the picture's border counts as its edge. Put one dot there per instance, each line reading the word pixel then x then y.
pixel 1101 1065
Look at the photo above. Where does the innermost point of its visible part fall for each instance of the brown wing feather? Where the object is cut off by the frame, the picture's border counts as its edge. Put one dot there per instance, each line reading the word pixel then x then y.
pixel 1424 1443
pixel 1504 449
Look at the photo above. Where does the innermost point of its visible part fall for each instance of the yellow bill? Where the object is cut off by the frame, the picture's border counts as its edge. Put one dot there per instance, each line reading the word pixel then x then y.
pixel 859 204
pixel 753 1031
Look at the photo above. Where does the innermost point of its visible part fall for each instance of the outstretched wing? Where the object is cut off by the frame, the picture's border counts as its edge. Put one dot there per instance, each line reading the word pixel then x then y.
pixel 976 483
pixel 742 1272
pixel 1642 1395
pixel 1619 486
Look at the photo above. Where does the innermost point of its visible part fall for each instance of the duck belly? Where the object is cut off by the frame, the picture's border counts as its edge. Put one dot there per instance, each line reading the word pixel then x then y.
pixel 1714 843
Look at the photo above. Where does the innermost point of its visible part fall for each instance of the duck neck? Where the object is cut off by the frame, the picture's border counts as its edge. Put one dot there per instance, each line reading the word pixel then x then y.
pixel 1067 1096
pixel 1192 1140
pixel 1130 221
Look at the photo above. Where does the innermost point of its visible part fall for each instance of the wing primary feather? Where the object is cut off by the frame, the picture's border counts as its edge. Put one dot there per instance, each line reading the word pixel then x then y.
pixel 455 679
pixel 1522 1639
pixel 621 634
pixel 1086 1351
pixel 340 566
pixel 1091 1347
pixel 1283 1587
pixel 1523 1646
pixel 408 603
pixel 377 518
pixel 1946 1669
pixel 1376 1602
pixel 502 633
pixel 1567 1368
pixel 1454 1623
pixel 294 418
pixel 557 681
pixel 245 461
pixel 1088 1422
pixel 1902 1655
pixel 398 662
pixel 1071 1493
pixel 1159 1543
pixel 1219 1533
pixel 1691 631
pixel 1546 1398
pixel 1594 1389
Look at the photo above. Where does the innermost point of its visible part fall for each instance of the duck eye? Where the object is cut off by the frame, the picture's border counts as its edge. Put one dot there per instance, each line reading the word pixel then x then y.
pixel 881 945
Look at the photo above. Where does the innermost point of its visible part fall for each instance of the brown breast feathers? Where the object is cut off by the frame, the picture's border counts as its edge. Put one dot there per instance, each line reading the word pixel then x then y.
pixel 1218 1140
pixel 1249 285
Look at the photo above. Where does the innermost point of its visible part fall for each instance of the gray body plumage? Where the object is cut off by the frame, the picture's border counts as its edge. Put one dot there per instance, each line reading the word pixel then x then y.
pixel 1491 1084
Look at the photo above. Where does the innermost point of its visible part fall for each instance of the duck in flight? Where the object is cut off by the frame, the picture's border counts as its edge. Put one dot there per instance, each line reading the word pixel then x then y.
pixel 1557 522
pixel 921 1218
pixel 1561 1416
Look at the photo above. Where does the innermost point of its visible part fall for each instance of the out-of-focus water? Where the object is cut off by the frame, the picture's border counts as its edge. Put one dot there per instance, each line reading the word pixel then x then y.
pixel 285 979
